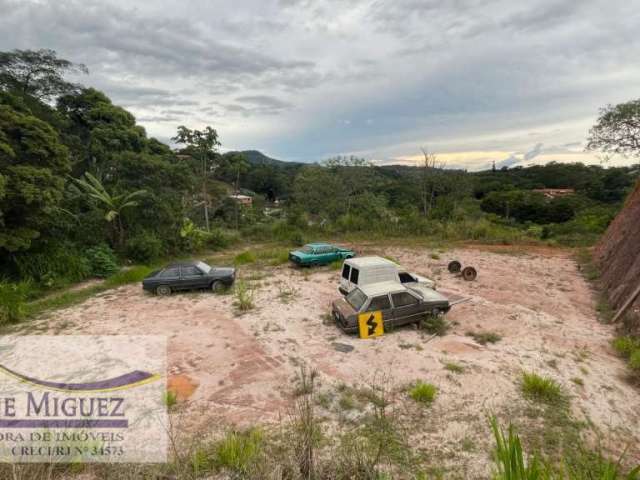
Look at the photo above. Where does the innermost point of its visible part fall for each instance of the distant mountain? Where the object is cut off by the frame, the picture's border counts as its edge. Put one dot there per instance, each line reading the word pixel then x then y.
pixel 254 157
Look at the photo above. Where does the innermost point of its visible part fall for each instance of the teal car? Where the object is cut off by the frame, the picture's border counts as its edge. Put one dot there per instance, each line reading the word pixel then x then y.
pixel 319 254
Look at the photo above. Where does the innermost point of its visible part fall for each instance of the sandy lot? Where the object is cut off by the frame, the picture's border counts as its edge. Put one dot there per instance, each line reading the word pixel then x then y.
pixel 238 369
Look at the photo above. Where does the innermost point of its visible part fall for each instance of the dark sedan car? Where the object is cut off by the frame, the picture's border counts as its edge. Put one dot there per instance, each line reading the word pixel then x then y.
pixel 189 276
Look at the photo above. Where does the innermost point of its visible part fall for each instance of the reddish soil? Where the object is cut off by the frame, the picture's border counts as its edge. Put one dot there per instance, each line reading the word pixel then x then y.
pixel 244 365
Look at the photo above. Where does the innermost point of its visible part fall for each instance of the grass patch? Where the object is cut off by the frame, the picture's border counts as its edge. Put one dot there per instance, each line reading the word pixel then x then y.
pixel 245 258
pixel 424 393
pixel 336 265
pixel 587 266
pixel 454 367
pixel 484 337
pixel 542 389
pixel 435 256
pixel 578 381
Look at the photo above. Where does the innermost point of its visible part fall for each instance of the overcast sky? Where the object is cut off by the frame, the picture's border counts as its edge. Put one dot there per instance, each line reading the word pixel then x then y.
pixel 475 81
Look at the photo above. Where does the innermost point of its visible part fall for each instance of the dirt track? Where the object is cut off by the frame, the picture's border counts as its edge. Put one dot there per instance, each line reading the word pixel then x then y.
pixel 238 369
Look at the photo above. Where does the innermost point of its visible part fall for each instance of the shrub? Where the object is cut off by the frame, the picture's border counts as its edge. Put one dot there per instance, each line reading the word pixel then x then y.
pixel 219 238
pixel 634 361
pixel 243 296
pixel 13 301
pixel 541 389
pixel 102 261
pixel 435 324
pixel 54 265
pixel 626 345
pixel 143 247
pixel 422 392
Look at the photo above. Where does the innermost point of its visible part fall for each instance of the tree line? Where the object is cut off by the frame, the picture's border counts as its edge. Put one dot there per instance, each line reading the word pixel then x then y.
pixel 83 187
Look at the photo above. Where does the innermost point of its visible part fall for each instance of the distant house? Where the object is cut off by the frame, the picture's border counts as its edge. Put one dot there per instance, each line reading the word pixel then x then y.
pixel 555 192
pixel 245 200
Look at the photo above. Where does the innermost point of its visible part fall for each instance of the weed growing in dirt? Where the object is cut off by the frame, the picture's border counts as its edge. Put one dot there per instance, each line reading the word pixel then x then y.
pixel 484 337
pixel 542 389
pixel 435 256
pixel 170 399
pixel 424 393
pixel 629 348
pixel 273 256
pixel 578 381
pixel 454 367
pixel 243 294
pixel 435 325
pixel 510 457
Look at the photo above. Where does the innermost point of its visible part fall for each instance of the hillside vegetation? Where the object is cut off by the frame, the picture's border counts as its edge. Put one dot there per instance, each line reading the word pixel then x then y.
pixel 83 189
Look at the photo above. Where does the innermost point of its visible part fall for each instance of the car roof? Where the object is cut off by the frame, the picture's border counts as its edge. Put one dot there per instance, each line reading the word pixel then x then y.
pixel 182 264
pixel 380 288
pixel 370 262
pixel 319 244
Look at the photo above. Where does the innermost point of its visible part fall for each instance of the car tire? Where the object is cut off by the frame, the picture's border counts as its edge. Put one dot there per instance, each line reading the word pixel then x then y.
pixel 163 290
pixel 217 286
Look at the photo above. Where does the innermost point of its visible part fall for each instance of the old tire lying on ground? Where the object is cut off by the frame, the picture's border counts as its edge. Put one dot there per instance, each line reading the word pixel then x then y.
pixel 469 273
pixel 454 266
pixel 163 290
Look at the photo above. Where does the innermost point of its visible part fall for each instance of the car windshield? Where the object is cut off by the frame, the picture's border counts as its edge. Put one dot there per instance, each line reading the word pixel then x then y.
pixel 204 267
pixel 307 249
pixel 356 299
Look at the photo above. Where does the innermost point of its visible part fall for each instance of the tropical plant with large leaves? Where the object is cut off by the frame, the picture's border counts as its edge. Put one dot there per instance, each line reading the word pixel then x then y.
pixel 112 205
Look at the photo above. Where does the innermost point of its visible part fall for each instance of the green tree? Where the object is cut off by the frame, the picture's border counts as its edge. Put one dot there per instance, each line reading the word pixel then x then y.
pixel 33 165
pixel 112 205
pixel 37 73
pixel 617 129
pixel 203 145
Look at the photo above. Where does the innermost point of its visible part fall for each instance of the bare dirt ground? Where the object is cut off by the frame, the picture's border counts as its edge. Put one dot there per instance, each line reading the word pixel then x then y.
pixel 234 369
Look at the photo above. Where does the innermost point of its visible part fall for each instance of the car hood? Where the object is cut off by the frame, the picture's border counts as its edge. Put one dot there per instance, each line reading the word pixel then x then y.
pixel 344 308
pixel 427 282
pixel 222 271
pixel 429 294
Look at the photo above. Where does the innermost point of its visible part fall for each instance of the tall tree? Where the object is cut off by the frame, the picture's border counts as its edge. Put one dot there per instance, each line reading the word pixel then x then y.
pixel 37 73
pixel 617 129
pixel 33 165
pixel 203 144
pixel 430 170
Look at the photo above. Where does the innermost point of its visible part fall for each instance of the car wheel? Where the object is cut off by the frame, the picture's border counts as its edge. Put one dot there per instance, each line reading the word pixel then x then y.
pixel 217 286
pixel 163 290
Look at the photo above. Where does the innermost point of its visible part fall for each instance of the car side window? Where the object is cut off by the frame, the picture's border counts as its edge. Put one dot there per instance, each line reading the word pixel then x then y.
pixel 380 303
pixel 402 299
pixel 170 273
pixel 346 269
pixel 190 271
pixel 354 275
pixel 406 278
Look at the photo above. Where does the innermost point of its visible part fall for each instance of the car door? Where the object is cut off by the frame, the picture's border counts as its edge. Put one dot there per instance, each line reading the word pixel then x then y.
pixel 171 277
pixel 192 277
pixel 382 304
pixel 406 308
